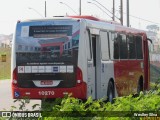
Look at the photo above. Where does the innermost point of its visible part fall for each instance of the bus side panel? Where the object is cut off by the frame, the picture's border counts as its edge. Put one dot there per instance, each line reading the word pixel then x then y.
pixel 82 54
pixel 121 77
pixel 146 64
pixel 136 70
pixel 127 75
pixel 13 56
pixel 107 73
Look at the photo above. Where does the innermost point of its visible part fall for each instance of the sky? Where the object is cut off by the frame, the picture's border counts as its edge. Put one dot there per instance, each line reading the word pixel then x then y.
pixel 13 10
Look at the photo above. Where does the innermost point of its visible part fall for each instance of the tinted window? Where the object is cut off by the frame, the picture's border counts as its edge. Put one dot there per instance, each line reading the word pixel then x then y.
pixel 88 40
pixel 68 44
pixel 65 46
pixel 94 49
pixel 131 47
pixel 111 45
pixel 116 46
pixel 139 47
pixel 123 46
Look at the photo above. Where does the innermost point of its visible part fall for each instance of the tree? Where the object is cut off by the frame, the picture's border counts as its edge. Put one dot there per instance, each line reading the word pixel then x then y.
pixel 153 28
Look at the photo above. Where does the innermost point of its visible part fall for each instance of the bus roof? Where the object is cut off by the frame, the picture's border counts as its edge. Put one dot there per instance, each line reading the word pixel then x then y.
pixel 94 22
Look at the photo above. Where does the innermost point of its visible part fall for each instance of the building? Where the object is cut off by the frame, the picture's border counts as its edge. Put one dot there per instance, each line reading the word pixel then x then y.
pixel 6 40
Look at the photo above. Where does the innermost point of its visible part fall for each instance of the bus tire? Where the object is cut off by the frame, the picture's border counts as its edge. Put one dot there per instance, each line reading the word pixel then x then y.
pixel 140 86
pixel 110 92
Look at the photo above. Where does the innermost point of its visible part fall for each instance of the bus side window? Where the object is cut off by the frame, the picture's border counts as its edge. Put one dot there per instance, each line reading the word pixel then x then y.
pixel 123 46
pixel 94 49
pixel 88 41
pixel 115 46
pixel 139 53
pixel 110 44
pixel 131 47
pixel 104 45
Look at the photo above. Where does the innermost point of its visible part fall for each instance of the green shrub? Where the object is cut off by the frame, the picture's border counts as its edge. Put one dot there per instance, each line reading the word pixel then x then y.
pixel 123 108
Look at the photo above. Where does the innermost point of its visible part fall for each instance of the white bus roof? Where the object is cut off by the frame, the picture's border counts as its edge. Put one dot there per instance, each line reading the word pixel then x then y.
pixel 92 22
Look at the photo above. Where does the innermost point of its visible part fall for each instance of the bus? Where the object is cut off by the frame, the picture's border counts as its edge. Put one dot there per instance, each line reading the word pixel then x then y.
pixel 78 55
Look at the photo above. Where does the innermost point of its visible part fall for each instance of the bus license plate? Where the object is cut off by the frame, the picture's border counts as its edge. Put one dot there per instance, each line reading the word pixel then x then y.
pixel 47 82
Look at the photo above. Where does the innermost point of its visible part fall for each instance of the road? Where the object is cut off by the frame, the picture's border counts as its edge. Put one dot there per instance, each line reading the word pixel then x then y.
pixel 6 100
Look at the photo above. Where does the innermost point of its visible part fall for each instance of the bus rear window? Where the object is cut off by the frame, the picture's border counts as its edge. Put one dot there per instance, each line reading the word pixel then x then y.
pixel 40 43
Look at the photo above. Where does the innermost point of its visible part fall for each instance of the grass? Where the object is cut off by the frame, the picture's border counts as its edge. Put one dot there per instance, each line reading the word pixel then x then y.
pixel 5 67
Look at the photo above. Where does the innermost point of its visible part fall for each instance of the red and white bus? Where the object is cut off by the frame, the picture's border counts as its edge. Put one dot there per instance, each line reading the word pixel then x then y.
pixel 81 55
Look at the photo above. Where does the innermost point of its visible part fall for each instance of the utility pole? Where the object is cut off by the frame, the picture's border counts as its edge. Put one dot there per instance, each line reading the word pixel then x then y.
pixel 121 12
pixel 79 7
pixel 127 13
pixel 113 10
pixel 45 11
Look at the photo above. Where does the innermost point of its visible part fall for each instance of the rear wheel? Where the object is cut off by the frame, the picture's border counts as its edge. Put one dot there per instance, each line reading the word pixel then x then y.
pixel 110 92
pixel 140 86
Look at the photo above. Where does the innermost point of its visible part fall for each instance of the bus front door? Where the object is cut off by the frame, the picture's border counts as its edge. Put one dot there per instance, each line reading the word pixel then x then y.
pixel 94 68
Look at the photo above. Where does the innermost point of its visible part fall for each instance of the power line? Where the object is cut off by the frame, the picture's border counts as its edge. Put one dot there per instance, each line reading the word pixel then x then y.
pixel 102 6
pixel 141 18
pixel 123 13
pixel 36 11
pixel 100 9
pixel 144 19
pixel 105 8
pixel 69 7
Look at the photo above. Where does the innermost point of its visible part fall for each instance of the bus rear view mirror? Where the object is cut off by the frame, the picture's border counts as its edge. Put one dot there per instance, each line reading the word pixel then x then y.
pixel 149 40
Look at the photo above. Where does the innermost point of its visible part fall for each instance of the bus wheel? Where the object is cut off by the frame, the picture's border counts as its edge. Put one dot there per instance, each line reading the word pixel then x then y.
pixel 110 92
pixel 140 86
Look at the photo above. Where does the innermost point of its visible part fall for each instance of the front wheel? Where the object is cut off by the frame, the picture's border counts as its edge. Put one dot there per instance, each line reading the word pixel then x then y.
pixel 110 92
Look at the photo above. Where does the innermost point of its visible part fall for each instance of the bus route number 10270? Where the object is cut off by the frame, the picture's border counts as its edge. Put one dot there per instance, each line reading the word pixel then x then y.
pixel 46 92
